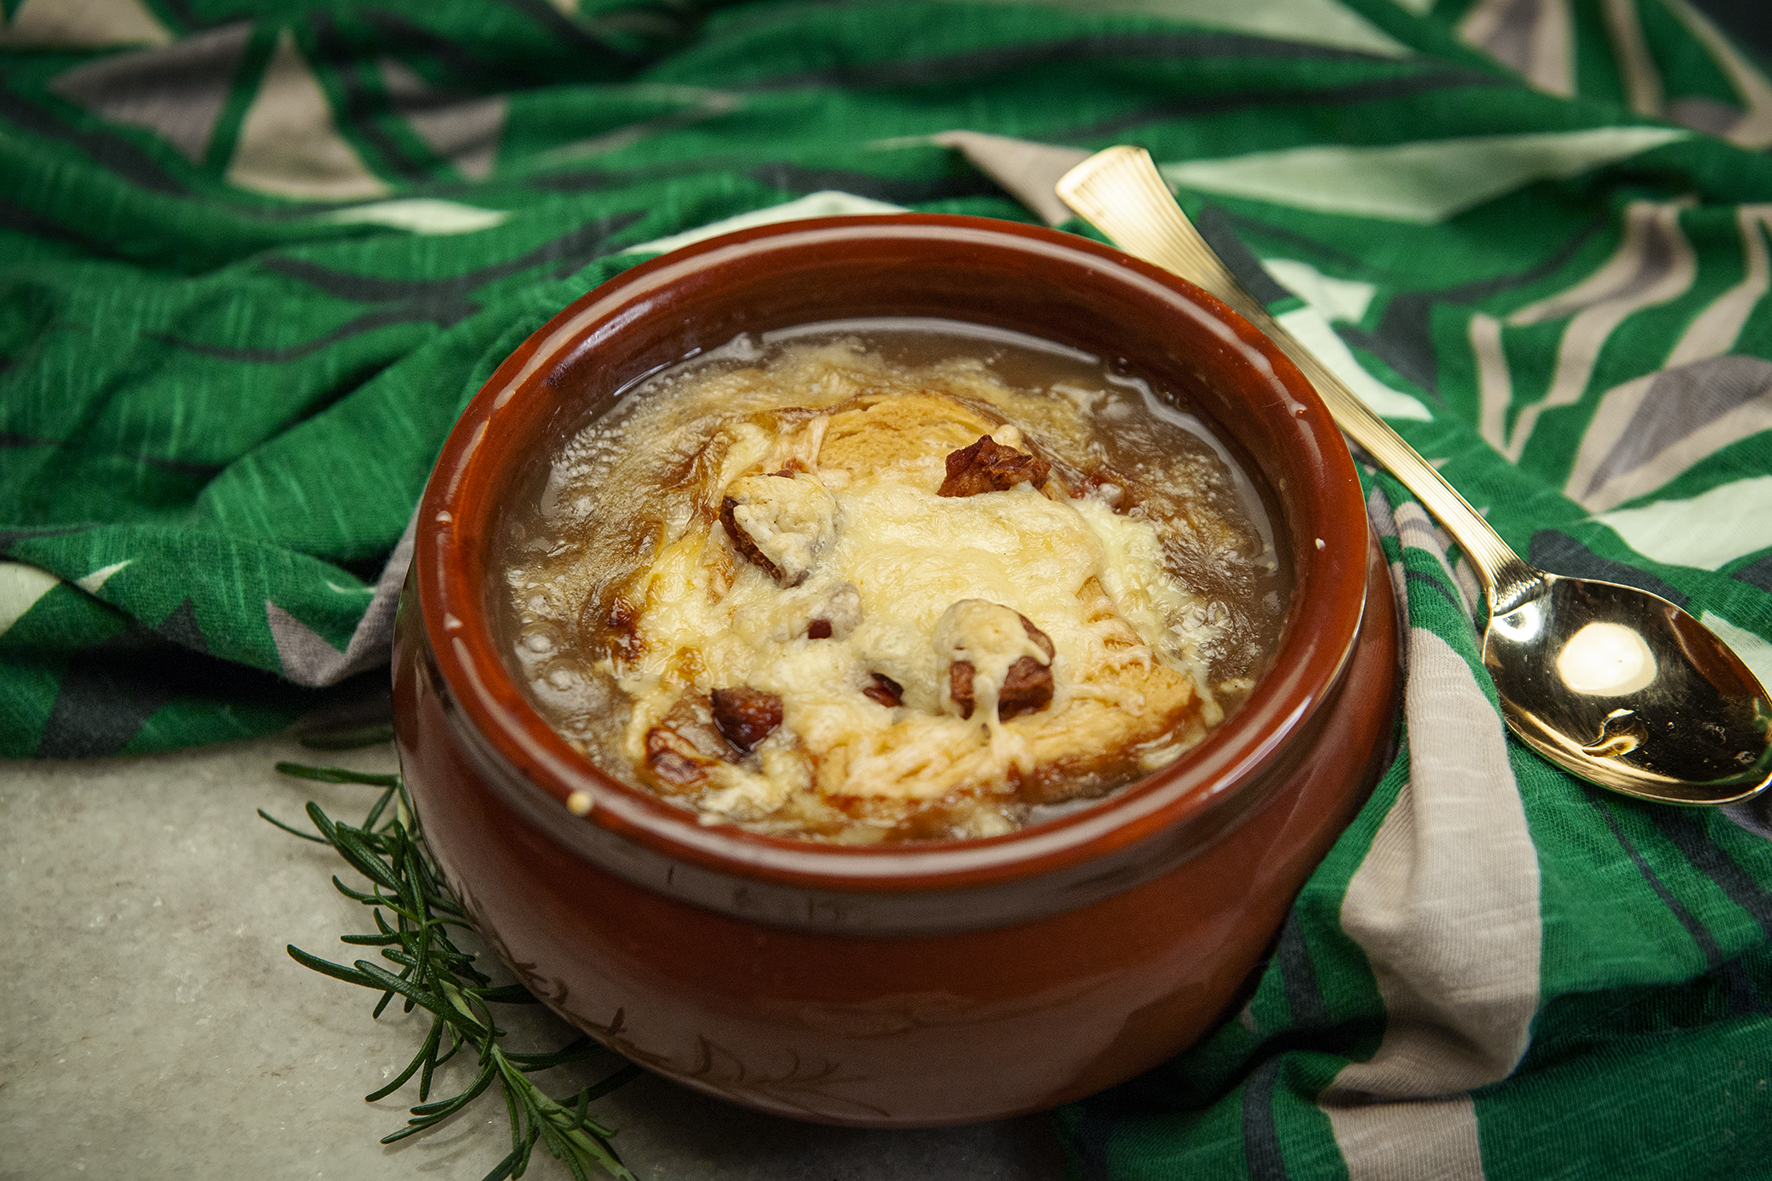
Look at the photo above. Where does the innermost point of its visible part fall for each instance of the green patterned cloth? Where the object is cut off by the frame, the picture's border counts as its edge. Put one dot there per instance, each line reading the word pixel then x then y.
pixel 254 261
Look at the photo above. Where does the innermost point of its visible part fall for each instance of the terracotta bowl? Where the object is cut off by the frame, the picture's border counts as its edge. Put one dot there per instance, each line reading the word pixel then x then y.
pixel 935 983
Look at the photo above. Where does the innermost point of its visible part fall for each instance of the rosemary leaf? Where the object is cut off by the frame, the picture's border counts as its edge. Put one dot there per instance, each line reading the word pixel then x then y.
pixel 583 1048
pixel 443 1107
pixel 362 859
pixel 370 821
pixel 365 899
pixel 290 829
pixel 370 940
pixel 337 775
pixel 413 913
pixel 424 1055
pixel 503 1170
pixel 327 967
pixel 613 1082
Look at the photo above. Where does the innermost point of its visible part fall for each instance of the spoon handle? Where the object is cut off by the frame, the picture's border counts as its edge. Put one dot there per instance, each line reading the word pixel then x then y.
pixel 1121 192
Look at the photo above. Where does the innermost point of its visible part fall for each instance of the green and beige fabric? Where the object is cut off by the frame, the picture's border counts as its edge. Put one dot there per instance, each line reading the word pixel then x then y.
pixel 254 260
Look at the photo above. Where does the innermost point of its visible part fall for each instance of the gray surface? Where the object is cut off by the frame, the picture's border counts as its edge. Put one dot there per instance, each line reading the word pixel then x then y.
pixel 154 1026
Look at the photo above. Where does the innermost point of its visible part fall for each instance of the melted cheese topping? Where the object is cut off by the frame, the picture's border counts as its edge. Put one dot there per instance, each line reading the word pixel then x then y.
pixel 863 554
pixel 711 621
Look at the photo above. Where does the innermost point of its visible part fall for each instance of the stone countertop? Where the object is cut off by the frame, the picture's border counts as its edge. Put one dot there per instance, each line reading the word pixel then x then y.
pixel 155 1026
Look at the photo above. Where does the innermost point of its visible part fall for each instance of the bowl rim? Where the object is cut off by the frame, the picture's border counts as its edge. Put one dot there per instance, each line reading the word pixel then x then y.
pixel 453 534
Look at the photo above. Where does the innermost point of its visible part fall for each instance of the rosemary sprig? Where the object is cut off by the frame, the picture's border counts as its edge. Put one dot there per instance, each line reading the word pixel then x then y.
pixel 437 976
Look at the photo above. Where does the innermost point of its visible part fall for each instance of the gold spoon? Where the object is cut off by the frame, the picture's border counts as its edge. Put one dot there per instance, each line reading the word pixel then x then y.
pixel 1615 684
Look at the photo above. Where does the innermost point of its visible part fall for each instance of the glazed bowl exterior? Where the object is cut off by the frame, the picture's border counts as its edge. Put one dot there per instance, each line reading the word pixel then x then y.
pixel 926 983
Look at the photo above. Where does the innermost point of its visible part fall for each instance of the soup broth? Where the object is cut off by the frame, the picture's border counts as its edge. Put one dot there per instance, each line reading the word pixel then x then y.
pixel 888 580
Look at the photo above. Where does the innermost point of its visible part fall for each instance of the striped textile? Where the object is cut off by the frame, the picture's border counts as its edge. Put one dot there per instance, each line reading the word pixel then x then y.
pixel 254 260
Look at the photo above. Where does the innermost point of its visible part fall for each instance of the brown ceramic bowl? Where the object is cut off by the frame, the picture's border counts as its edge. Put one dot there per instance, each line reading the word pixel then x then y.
pixel 921 984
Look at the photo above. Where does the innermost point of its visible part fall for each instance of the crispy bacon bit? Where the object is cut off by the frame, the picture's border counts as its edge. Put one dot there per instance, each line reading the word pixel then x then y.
pixel 1039 637
pixel 670 765
pixel 684 744
pixel 741 541
pixel 1027 689
pixel 884 690
pixel 988 466
pixel 1027 686
pixel 1108 487
pixel 837 616
pixel 746 716
pixel 960 674
pixel 780 523
pixel 609 621
pixel 623 624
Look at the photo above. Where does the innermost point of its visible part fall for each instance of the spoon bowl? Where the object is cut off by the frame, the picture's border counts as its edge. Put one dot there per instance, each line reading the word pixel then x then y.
pixel 1630 692
pixel 1612 683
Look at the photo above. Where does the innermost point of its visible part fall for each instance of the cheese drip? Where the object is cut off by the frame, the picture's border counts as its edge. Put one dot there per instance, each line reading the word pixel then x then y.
pixel 990 639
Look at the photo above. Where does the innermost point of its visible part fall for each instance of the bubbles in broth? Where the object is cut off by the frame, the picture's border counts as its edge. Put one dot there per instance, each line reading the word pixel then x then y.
pixel 889 580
